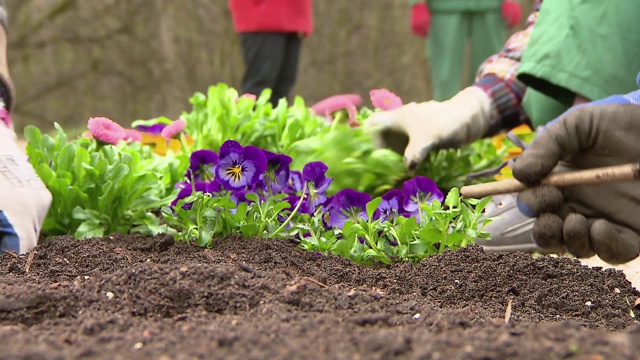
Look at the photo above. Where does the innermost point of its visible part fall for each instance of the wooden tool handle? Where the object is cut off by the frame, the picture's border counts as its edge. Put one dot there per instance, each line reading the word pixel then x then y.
pixel 618 173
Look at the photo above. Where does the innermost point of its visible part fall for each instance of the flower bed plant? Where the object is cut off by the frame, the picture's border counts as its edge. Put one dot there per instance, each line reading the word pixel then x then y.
pixel 304 173
pixel 254 192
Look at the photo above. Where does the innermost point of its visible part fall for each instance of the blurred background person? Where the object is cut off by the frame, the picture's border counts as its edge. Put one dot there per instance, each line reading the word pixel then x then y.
pixel 271 34
pixel 449 25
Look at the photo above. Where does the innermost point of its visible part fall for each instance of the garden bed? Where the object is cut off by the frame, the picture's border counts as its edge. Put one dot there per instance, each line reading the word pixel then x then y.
pixel 148 298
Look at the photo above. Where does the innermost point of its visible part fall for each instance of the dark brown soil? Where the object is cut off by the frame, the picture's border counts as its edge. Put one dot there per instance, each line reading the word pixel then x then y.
pixel 146 298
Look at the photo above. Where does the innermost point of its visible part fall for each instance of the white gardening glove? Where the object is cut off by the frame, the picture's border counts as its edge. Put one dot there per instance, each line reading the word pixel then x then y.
pixel 417 128
pixel 24 200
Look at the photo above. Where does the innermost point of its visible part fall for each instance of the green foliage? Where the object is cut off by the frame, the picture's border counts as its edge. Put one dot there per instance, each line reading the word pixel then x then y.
pixel 351 156
pixel 452 225
pixel 439 228
pixel 450 167
pixel 101 189
pixel 214 217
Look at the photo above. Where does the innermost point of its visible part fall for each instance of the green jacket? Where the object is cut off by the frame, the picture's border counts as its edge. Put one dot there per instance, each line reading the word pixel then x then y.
pixel 460 5
pixel 586 47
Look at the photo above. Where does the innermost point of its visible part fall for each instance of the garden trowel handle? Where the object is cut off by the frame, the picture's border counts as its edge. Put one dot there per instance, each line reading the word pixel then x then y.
pixel 618 173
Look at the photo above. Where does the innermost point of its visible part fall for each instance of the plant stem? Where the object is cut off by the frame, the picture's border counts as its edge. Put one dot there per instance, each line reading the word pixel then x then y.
pixel 293 213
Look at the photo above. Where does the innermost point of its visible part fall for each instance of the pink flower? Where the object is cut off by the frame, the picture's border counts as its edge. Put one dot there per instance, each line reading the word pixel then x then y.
pixel 339 102
pixel 384 99
pixel 174 129
pixel 249 96
pixel 5 117
pixel 105 130
pixel 132 135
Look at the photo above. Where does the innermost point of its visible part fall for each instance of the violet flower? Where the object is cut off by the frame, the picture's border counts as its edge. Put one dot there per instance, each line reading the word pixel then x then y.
pixel 313 174
pixel 346 205
pixel 276 176
pixel 419 190
pixel 187 191
pixel 155 129
pixel 295 183
pixel 201 165
pixel 239 167
pixel 391 204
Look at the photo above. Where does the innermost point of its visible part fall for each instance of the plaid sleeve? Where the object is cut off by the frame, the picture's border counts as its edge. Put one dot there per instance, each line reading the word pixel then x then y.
pixel 497 77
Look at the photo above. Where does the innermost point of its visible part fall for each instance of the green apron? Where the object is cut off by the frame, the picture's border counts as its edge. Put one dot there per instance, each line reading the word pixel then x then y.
pixel 586 47
pixel 453 22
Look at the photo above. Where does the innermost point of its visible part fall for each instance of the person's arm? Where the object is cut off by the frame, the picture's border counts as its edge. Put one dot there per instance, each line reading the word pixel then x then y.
pixel 24 199
pixel 480 110
pixel 497 78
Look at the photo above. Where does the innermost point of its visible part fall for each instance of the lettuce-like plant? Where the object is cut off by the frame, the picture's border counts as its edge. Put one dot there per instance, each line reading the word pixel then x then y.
pixel 100 189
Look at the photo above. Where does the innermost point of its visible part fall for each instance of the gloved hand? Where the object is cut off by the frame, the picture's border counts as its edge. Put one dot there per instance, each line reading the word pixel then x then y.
pixel 24 200
pixel 586 220
pixel 511 13
pixel 417 128
pixel 420 19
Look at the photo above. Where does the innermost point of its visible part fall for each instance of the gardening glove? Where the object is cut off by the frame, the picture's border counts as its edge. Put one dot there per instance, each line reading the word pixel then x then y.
pixel 24 200
pixel 417 128
pixel 590 219
pixel 420 19
pixel 511 13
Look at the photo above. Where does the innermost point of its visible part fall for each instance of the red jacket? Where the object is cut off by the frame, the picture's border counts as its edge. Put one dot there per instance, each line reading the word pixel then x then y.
pixel 272 15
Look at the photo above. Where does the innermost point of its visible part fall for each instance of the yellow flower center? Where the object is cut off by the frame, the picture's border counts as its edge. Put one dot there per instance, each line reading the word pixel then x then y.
pixel 235 172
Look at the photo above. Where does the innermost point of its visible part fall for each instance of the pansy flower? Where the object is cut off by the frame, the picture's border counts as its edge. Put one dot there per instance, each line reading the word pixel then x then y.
pixel 276 177
pixel 154 129
pixel 391 204
pixel 295 183
pixel 187 191
pixel 346 205
pixel 313 174
pixel 384 99
pixel 419 190
pixel 238 166
pixel 201 165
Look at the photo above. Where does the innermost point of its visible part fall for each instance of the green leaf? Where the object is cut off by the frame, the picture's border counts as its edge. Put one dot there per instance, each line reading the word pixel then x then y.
pixel 372 206
pixel 453 198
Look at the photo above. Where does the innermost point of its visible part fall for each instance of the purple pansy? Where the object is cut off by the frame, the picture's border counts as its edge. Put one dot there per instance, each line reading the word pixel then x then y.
pixel 276 177
pixel 391 204
pixel 317 183
pixel 419 190
pixel 294 185
pixel 346 205
pixel 239 167
pixel 188 190
pixel 202 164
pixel 155 129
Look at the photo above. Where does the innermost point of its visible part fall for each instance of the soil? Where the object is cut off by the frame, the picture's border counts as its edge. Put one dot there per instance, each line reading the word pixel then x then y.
pixel 133 297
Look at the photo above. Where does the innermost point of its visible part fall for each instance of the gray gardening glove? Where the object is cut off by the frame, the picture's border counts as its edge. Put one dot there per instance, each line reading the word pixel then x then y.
pixel 417 128
pixel 586 220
